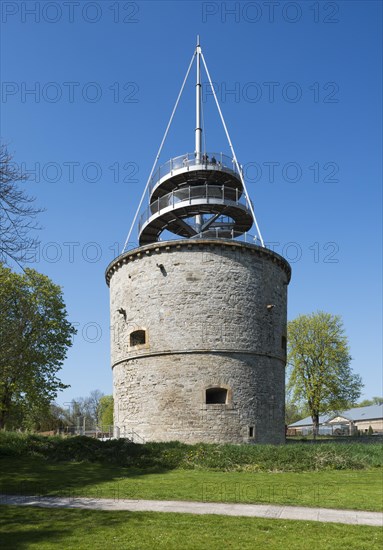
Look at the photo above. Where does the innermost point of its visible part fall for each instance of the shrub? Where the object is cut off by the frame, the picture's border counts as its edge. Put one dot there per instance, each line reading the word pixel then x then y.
pixel 164 456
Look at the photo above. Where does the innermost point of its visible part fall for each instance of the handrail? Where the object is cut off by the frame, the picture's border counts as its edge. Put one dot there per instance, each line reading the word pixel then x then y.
pixel 215 193
pixel 230 234
pixel 217 161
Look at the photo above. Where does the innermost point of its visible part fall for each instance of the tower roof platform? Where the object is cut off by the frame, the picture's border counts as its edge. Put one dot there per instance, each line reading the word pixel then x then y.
pixel 189 169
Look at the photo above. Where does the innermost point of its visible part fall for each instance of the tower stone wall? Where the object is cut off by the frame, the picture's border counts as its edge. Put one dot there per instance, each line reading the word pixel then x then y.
pixel 210 316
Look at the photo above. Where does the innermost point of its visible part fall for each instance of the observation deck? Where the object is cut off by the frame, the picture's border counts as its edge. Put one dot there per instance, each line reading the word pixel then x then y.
pixel 192 194
pixel 199 194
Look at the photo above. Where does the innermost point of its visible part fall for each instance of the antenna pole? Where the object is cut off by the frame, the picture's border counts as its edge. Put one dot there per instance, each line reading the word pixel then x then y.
pixel 198 129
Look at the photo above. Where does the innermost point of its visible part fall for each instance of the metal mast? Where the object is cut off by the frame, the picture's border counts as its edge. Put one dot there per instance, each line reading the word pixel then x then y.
pixel 198 129
pixel 200 194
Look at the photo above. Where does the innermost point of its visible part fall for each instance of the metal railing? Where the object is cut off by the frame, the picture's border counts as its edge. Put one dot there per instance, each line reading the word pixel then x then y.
pixel 216 161
pixel 214 233
pixel 208 193
pixel 128 433
pixel 228 234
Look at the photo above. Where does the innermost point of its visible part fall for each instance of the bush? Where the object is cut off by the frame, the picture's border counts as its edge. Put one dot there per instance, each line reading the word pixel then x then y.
pixel 165 456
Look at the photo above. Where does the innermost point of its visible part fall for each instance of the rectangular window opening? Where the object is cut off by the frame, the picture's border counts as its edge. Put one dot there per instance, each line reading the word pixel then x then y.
pixel 138 338
pixel 216 396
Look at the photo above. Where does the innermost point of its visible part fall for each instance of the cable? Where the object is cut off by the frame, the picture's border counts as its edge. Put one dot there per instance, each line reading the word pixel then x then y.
pixel 159 152
pixel 233 152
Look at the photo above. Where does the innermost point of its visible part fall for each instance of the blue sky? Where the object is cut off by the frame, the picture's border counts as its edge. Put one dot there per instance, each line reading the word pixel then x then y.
pixel 87 91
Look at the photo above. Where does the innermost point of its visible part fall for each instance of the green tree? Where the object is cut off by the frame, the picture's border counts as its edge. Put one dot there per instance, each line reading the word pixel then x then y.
pixel 34 337
pixel 294 412
pixel 105 411
pixel 45 419
pixel 83 411
pixel 319 359
pixel 368 402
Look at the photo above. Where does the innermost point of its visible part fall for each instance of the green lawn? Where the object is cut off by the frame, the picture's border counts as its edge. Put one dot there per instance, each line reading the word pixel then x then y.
pixel 29 528
pixel 332 476
pixel 349 489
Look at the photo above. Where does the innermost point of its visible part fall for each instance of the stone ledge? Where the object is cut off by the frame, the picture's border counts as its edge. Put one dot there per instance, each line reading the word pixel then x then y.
pixel 224 351
pixel 188 244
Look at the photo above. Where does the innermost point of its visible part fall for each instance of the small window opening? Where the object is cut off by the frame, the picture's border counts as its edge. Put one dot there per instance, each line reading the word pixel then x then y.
pixel 284 343
pixel 137 338
pixel 216 396
pixel 251 431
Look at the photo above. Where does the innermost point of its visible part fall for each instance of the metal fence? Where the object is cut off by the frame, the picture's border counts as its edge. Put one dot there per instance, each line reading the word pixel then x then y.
pixel 101 432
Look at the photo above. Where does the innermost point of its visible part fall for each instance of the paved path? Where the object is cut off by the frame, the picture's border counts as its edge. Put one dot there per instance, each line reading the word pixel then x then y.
pixel 353 517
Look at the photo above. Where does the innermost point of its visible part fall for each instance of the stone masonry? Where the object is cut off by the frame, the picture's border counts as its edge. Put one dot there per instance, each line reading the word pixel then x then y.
pixel 211 315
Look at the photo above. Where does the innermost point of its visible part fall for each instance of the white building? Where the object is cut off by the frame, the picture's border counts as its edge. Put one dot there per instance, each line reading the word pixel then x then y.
pixel 343 422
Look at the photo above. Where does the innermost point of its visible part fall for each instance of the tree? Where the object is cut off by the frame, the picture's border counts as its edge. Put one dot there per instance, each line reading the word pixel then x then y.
pixel 83 411
pixel 47 419
pixel 105 411
pixel 17 212
pixel 34 337
pixel 93 404
pixel 369 402
pixel 294 412
pixel 318 355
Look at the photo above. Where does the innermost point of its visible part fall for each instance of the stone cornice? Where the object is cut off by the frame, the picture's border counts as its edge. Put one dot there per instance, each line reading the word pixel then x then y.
pixel 185 244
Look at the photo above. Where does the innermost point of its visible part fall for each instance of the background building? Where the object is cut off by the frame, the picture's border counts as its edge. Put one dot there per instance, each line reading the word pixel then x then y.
pixel 344 422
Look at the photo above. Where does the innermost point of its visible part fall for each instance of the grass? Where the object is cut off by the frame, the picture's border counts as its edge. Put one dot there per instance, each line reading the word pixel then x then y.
pixel 229 458
pixel 332 475
pixel 28 528
pixel 349 489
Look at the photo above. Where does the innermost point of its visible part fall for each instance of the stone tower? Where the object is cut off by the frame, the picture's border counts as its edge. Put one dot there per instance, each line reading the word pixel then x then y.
pixel 199 318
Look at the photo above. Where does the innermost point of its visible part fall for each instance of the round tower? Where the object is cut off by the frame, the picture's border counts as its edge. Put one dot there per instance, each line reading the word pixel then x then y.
pixel 199 319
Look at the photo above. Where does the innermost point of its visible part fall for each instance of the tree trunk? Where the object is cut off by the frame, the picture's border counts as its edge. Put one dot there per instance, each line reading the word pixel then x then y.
pixel 315 419
pixel 2 420
pixel 5 405
pixel 3 417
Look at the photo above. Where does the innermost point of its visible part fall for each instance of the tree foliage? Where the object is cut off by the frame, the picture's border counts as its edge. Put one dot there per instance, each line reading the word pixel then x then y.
pixel 294 411
pixel 105 411
pixel 84 411
pixel 17 212
pixel 45 419
pixel 73 417
pixel 34 337
pixel 368 402
pixel 318 354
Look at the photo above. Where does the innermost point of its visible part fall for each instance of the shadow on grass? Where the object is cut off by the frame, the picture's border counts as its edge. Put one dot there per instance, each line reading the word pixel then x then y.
pixel 120 452
pixel 21 528
pixel 34 476
pixel 37 465
pixel 24 527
